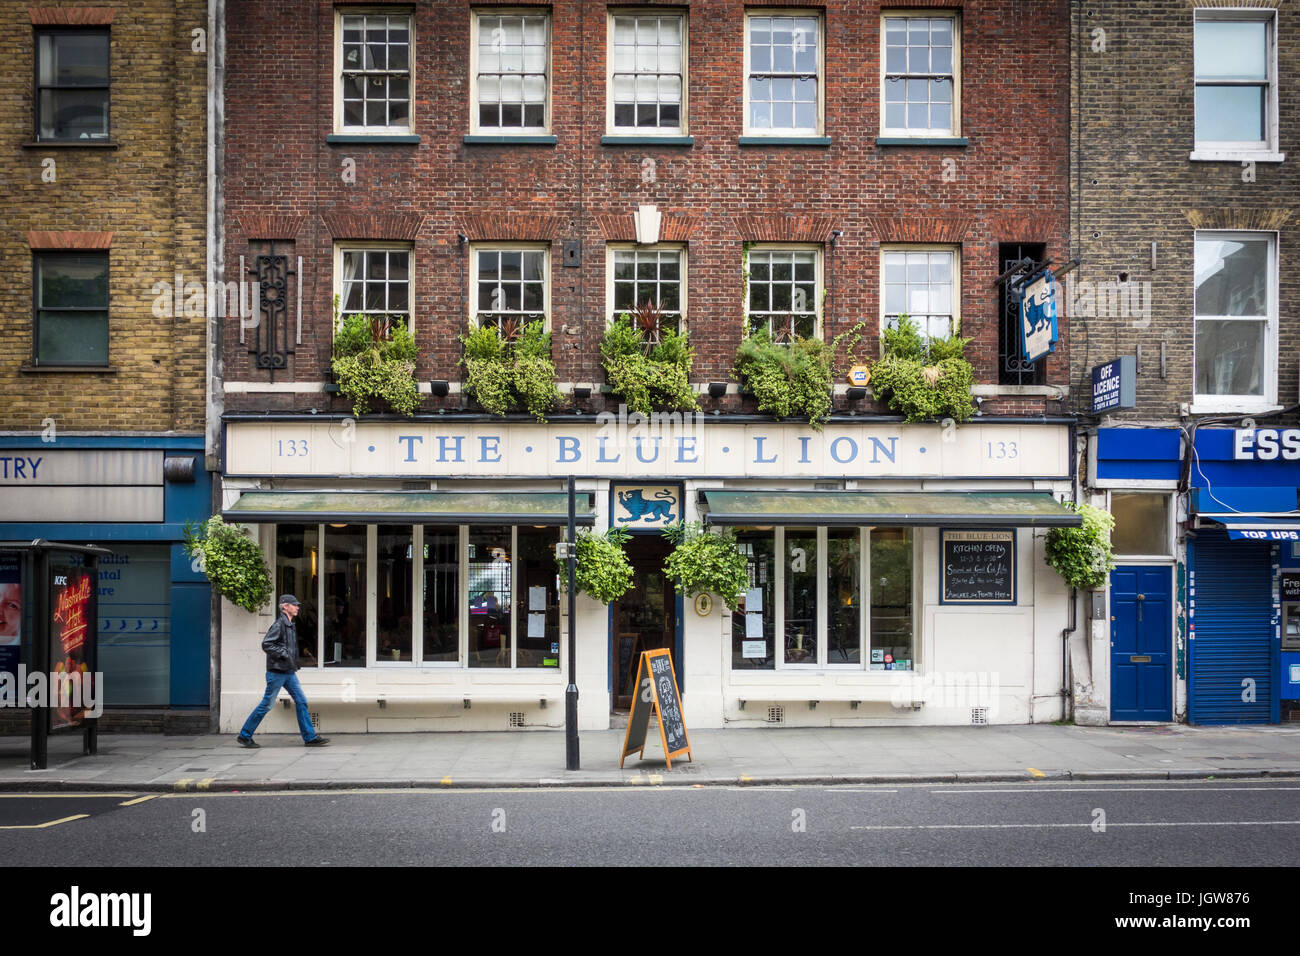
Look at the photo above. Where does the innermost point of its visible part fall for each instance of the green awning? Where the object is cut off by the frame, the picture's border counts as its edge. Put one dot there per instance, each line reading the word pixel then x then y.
pixel 416 507
pixel 964 509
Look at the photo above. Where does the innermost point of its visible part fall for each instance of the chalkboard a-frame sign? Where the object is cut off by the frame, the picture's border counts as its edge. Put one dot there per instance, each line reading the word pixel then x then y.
pixel 656 693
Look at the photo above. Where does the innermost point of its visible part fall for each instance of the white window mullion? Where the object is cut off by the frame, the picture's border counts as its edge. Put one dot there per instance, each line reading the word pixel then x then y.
pixel 417 595
pixel 864 598
pixel 778 600
pixel 823 590
pixel 320 596
pixel 514 596
pixel 372 593
pixel 463 594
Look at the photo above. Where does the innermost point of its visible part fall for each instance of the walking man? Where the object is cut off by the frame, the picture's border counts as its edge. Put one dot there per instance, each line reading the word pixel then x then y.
pixel 281 646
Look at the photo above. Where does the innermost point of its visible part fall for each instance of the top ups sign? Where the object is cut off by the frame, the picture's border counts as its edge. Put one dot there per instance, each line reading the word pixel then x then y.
pixel 1114 385
pixel 1038 317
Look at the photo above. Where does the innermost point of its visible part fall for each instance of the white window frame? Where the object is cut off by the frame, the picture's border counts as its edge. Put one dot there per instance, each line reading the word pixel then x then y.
pixel 364 130
pixel 1171 526
pixel 1210 403
pixel 936 14
pixel 613 247
pixel 683 124
pixel 475 14
pixel 956 250
pixel 819 262
pixel 1260 152
pixel 374 246
pixel 476 247
pixel 809 13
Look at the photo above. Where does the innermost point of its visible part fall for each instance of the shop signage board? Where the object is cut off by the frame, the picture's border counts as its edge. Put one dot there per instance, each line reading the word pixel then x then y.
pixel 656 696
pixel 1291 587
pixel 979 567
pixel 1038 333
pixel 686 448
pixel 646 506
pixel 1114 385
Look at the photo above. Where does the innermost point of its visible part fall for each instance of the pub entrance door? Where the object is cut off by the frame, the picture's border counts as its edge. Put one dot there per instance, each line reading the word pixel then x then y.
pixel 643 619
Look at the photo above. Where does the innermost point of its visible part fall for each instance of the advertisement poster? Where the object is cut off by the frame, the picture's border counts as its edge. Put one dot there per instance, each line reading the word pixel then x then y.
pixel 73 595
pixel 11 611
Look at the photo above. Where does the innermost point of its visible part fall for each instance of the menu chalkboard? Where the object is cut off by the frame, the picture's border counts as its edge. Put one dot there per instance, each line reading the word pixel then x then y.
pixel 656 692
pixel 979 567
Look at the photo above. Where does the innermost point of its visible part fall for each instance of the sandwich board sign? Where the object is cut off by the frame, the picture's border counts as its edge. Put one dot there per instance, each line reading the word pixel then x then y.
pixel 656 693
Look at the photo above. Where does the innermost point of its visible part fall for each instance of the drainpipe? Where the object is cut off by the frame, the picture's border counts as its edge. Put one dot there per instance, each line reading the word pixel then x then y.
pixel 215 273
pixel 1065 654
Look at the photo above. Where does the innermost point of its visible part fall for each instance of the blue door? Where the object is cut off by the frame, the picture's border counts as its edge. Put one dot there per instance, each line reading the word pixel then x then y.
pixel 1141 643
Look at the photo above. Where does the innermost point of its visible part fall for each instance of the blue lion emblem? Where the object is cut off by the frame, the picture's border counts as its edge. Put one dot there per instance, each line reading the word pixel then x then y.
pixel 638 509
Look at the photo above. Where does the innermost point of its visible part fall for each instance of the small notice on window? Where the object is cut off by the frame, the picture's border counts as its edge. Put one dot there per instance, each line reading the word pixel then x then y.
pixel 753 625
pixel 754 601
pixel 536 625
pixel 536 599
pixel 750 649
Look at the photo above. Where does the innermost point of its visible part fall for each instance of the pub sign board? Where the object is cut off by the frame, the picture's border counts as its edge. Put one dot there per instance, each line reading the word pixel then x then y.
pixel 656 695
pixel 1114 385
pixel 979 566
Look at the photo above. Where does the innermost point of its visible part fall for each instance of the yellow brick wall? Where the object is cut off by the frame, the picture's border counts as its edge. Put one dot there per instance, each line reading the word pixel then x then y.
pixel 150 193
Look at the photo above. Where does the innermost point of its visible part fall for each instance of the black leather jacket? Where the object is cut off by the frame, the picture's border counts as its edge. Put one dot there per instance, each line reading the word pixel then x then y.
pixel 281 646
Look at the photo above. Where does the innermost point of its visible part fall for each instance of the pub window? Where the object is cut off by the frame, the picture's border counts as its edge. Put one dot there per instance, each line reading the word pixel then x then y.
pixel 800 595
pixel 344 615
pixel 892 616
pixel 488 593
pixel 509 286
pixel 1012 367
pixel 843 596
pixel 297 566
pixel 537 625
pixel 373 90
pixel 441 595
pixel 394 627
pixel 753 624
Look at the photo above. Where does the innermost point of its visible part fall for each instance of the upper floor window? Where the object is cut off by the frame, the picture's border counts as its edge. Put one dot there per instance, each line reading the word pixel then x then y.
pixel 1236 83
pixel 653 277
pixel 783 63
pixel 920 283
pixel 71 306
pixel 1236 319
pixel 510 286
pixel 922 76
pixel 374 80
pixel 72 85
pixel 647 74
pixel 785 291
pixel 511 71
pixel 376 281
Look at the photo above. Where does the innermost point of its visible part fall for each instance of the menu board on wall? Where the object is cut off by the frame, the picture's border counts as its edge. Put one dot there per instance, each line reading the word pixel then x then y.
pixel 979 567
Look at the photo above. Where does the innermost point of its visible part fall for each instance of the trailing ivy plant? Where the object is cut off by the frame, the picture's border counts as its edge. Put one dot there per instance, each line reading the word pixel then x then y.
pixel 706 562
pixel 923 379
pixel 603 569
pixel 510 370
pixel 1082 556
pixel 648 375
pixel 232 561
pixel 373 359
pixel 792 377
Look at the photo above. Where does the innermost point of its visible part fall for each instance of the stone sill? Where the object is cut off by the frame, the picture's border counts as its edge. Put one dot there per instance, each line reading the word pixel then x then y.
pixel 521 140
pixel 1236 156
pixel 70 144
pixel 621 140
pixel 922 141
pixel 1021 391
pixel 94 369
pixel 785 141
pixel 373 139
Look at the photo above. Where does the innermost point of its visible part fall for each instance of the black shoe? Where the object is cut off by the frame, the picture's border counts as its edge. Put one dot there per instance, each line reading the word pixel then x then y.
pixel 247 742
pixel 316 742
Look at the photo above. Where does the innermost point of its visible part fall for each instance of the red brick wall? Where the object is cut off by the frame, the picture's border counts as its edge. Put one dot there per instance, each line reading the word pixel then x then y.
pixel 1010 183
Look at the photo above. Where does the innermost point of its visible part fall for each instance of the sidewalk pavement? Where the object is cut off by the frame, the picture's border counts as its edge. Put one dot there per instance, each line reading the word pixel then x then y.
pixel 149 762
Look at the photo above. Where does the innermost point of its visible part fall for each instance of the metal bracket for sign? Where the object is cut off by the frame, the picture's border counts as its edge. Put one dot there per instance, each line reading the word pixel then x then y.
pixel 1026 271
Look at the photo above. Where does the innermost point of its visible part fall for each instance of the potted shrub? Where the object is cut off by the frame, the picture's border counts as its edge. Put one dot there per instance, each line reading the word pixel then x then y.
pixel 375 359
pixel 510 368
pixel 705 561
pixel 232 560
pixel 648 365
pixel 789 378
pixel 1082 556
pixel 923 379
pixel 603 570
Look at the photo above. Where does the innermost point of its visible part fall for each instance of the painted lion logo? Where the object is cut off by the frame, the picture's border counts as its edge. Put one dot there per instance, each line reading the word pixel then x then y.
pixel 639 509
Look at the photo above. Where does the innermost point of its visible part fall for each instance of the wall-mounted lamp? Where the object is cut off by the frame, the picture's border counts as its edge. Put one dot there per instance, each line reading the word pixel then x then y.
pixel 461 239
pixel 439 389
pixel 717 389
pixel 857 393
pixel 835 235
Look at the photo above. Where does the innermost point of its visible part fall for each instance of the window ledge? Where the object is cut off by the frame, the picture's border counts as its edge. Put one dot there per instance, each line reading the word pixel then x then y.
pixel 1236 156
pixel 1232 408
pixel 95 369
pixel 922 141
pixel 785 141
pixel 70 144
pixel 1021 391
pixel 631 140
pixel 520 140
pixel 373 138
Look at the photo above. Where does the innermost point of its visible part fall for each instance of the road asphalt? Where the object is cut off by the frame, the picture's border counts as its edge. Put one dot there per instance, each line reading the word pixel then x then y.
pixel 728 757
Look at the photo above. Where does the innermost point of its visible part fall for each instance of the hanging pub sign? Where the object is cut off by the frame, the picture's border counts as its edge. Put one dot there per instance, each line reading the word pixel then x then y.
pixel 656 694
pixel 1038 317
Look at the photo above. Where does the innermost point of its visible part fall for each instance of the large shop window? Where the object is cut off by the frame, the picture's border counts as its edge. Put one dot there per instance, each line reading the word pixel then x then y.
pixel 811 603
pixel 489 596
pixel 135 625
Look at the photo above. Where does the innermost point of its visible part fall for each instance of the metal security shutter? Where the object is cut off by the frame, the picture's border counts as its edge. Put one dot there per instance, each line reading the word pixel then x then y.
pixel 1233 635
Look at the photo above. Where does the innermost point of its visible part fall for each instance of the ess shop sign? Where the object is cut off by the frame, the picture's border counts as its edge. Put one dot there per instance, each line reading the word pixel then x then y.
pixel 1266 444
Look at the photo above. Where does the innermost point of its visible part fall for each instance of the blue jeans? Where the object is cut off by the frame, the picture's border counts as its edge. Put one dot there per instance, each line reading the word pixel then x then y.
pixel 274 681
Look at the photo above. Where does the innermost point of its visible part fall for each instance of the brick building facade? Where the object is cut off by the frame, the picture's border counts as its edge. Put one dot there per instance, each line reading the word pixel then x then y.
pixel 1184 211
pixel 103 187
pixel 427 155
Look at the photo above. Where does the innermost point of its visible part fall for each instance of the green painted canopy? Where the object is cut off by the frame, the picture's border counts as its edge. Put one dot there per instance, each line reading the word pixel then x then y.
pixel 965 509
pixel 417 507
